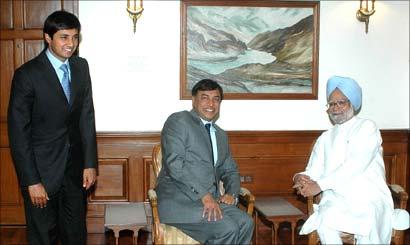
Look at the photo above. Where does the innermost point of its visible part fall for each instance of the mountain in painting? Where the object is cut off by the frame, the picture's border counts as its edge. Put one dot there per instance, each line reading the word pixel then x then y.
pixel 290 45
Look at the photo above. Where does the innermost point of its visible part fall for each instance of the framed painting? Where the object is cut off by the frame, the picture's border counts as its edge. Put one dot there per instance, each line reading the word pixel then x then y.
pixel 255 49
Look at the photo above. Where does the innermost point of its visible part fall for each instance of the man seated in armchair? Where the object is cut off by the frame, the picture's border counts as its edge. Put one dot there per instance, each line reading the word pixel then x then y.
pixel 195 158
pixel 347 166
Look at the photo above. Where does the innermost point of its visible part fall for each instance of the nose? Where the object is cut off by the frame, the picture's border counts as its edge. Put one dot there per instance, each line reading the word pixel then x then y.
pixel 210 103
pixel 71 42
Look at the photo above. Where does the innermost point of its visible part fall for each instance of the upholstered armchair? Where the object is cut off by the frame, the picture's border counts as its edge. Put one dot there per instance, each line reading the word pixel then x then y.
pixel 400 197
pixel 166 234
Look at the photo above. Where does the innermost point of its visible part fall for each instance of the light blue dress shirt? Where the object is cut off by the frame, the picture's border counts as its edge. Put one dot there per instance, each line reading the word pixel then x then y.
pixel 213 139
pixel 56 63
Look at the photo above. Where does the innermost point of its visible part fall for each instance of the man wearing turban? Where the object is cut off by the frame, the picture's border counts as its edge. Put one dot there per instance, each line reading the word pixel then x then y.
pixel 347 166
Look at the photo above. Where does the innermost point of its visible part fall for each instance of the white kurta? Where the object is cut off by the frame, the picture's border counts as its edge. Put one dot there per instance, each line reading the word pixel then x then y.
pixel 347 163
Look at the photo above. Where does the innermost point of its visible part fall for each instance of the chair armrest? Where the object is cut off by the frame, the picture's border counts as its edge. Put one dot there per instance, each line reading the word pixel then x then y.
pixel 152 196
pixel 313 200
pixel 158 232
pixel 310 205
pixel 247 200
pixel 400 195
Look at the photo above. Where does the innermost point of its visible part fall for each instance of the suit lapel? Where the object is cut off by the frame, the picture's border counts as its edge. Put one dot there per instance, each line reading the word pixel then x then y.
pixel 203 131
pixel 51 77
pixel 218 145
pixel 74 81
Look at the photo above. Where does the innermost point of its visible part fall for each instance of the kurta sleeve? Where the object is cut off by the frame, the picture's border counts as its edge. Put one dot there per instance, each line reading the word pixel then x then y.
pixel 315 166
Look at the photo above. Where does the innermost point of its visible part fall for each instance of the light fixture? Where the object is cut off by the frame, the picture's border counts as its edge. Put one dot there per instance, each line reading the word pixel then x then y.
pixel 134 10
pixel 365 11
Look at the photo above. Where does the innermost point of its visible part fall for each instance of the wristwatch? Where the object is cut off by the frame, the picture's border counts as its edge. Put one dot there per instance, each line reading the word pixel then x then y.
pixel 236 199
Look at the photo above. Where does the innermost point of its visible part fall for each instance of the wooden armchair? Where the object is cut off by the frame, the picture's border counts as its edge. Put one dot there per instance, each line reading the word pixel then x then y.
pixel 166 234
pixel 400 197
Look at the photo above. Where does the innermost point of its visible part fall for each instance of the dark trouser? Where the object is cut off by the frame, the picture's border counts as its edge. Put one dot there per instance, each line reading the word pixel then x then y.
pixel 64 217
pixel 236 227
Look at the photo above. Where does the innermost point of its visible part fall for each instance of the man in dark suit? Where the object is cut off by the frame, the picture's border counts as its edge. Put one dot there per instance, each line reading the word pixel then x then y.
pixel 52 135
pixel 196 157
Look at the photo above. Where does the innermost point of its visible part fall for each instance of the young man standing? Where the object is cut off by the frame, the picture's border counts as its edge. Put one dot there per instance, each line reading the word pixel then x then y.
pixel 52 135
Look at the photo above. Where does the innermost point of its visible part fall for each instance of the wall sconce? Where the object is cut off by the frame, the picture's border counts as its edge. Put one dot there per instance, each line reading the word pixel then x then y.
pixel 365 11
pixel 134 10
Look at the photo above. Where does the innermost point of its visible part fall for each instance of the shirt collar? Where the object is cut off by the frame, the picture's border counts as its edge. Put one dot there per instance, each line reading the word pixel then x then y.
pixel 56 63
pixel 205 122
pixel 346 124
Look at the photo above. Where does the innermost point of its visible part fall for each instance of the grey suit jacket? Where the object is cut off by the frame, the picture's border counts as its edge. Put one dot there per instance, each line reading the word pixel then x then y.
pixel 188 172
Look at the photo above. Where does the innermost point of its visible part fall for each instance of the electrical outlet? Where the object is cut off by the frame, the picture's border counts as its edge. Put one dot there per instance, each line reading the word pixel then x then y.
pixel 246 178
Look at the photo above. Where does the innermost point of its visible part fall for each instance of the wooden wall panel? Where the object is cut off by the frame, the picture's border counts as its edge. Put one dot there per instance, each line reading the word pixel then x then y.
pixel 267 161
pixel 35 12
pixel 8 178
pixel 112 181
pixel 10 199
pixel 270 176
pixel 7 70
pixel 6 14
pixel 32 48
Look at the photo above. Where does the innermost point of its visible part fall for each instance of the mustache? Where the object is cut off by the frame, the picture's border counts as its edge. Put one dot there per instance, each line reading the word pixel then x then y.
pixel 341 117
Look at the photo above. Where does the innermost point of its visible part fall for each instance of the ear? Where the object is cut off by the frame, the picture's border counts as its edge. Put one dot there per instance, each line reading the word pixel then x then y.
pixel 193 101
pixel 47 38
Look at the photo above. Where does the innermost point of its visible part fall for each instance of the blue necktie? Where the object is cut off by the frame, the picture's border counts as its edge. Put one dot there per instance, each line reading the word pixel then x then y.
pixel 65 82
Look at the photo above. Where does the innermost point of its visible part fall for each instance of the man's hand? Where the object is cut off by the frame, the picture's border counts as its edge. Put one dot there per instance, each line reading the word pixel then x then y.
pixel 227 199
pixel 310 188
pixel 211 208
pixel 301 179
pixel 38 195
pixel 89 177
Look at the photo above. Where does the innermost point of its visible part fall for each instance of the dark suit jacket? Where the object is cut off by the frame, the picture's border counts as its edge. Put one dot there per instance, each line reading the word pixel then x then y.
pixel 188 172
pixel 48 137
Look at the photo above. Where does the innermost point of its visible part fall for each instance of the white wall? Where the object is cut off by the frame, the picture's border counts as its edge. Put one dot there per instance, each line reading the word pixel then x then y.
pixel 136 76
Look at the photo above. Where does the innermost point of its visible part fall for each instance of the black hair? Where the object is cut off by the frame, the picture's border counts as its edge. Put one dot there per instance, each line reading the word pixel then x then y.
pixel 60 20
pixel 207 85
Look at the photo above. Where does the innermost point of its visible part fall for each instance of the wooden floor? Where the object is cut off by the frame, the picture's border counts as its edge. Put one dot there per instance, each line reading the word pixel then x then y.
pixel 17 236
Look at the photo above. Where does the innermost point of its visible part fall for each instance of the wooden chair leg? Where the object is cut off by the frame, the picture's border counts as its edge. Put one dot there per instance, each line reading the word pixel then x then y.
pixel 256 228
pixel 293 226
pixel 312 238
pixel 276 227
pixel 117 235
pixel 135 238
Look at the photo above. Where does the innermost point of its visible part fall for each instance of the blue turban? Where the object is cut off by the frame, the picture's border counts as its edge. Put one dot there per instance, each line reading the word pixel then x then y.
pixel 349 87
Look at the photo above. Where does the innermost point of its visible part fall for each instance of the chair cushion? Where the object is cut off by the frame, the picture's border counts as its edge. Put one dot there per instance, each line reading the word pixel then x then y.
pixel 173 235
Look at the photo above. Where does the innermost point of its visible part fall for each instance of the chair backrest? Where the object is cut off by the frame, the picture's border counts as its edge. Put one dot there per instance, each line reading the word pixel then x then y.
pixel 163 234
pixel 156 159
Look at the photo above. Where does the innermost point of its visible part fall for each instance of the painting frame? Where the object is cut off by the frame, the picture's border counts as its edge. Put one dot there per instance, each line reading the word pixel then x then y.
pixel 310 67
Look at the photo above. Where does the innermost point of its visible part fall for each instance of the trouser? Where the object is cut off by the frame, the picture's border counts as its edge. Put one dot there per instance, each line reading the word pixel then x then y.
pixel 330 236
pixel 63 217
pixel 236 227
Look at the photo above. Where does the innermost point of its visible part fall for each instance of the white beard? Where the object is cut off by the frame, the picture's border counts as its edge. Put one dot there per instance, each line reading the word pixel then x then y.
pixel 342 118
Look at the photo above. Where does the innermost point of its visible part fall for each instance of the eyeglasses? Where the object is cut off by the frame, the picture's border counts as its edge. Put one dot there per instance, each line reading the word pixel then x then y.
pixel 339 103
